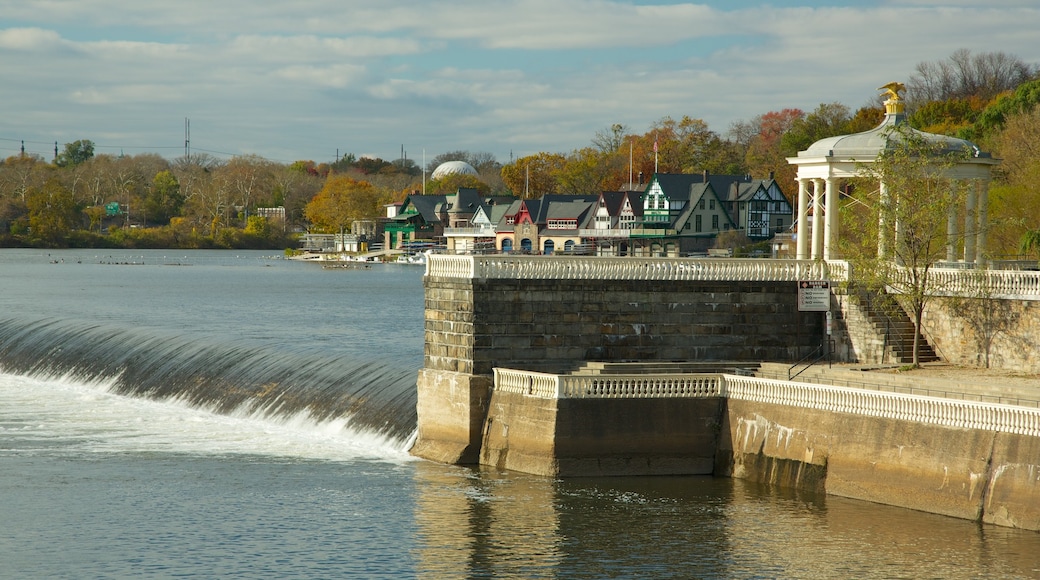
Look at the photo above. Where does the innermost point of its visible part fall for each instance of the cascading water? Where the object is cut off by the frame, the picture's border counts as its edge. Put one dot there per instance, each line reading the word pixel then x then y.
pixel 375 397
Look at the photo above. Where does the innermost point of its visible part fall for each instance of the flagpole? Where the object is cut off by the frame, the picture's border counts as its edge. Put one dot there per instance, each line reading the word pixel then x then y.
pixel 655 154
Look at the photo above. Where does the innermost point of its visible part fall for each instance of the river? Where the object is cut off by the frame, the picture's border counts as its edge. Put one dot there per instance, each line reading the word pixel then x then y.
pixel 234 414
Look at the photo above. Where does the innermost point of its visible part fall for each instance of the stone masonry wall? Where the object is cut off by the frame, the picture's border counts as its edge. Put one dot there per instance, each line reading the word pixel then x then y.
pixel 473 326
pixel 967 332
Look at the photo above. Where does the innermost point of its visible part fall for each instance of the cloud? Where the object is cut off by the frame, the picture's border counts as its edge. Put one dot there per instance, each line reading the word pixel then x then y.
pixel 31 40
pixel 526 75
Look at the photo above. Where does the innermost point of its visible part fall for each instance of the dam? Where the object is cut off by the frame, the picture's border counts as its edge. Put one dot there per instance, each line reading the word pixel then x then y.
pixel 646 366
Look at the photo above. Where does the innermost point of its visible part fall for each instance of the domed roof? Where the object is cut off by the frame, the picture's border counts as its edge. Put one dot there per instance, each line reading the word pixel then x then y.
pixel 452 168
pixel 868 145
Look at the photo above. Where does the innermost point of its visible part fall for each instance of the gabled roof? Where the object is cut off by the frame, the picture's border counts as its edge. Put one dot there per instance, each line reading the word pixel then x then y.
pixel 427 206
pixel 546 202
pixel 697 192
pixel 675 186
pixel 562 210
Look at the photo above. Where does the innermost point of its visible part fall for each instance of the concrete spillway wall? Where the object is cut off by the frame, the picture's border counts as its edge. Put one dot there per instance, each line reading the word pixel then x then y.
pixel 963 459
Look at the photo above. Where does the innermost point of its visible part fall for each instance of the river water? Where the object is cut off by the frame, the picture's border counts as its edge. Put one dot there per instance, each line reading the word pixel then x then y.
pixel 232 414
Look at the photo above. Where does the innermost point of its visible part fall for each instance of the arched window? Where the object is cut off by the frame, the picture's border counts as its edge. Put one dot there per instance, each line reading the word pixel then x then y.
pixel 507 245
pixel 525 245
pixel 549 247
pixel 568 245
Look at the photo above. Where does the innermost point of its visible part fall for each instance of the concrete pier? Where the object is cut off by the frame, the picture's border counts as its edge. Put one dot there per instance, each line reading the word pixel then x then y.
pixel 508 383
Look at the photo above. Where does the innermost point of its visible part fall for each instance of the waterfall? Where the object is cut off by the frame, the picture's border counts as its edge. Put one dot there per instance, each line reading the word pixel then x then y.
pixel 375 396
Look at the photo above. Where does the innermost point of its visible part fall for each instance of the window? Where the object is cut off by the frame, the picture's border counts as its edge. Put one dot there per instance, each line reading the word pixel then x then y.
pixel 701 204
pixel 715 222
pixel 697 223
pixel 711 204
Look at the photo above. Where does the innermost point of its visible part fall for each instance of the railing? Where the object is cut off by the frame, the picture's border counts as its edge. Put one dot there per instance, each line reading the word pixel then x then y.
pixel 550 386
pixel 954 413
pixel 816 355
pixel 606 233
pixel 1002 284
pixel 935 411
pixel 632 268
pixel 470 231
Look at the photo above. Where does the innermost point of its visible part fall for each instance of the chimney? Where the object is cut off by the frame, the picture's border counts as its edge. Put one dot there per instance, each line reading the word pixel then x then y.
pixel 705 176
pixel 771 175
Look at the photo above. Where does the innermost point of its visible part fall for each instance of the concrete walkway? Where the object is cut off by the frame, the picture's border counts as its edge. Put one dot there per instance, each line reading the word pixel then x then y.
pixel 933 379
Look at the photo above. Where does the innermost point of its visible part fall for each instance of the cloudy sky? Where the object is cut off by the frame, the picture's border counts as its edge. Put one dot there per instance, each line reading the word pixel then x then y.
pixel 303 79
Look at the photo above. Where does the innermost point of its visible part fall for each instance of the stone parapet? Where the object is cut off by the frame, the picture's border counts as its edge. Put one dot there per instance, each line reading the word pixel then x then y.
pixel 474 325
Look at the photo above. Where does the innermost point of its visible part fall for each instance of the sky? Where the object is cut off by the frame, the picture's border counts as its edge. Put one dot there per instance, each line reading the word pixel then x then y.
pixel 317 79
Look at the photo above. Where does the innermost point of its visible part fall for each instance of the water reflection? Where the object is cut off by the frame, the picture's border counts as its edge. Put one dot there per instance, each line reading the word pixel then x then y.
pixel 481 524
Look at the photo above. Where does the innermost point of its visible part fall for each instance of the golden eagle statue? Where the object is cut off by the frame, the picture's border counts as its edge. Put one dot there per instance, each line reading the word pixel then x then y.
pixel 892 89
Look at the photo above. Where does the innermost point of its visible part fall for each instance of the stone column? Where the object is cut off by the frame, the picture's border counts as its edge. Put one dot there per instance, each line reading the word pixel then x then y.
pixel 969 226
pixel 802 244
pixel 982 222
pixel 882 239
pixel 817 220
pixel 951 227
pixel 830 233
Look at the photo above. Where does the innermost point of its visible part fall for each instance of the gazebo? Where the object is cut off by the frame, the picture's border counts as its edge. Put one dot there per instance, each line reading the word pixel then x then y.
pixel 829 161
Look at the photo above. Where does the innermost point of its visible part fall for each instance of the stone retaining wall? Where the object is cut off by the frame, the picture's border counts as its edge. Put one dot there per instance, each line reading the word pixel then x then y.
pixel 968 331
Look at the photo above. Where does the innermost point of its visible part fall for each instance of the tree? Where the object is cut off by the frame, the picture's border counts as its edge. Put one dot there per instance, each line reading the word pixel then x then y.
pixel 52 212
pixel 1022 101
pixel 341 202
pixel 962 75
pixel 453 182
pixel 764 151
pixel 589 171
pixel 827 120
pixel 163 200
pixel 535 175
pixel 75 153
pixel 610 140
pixel 915 202
pixel 1014 197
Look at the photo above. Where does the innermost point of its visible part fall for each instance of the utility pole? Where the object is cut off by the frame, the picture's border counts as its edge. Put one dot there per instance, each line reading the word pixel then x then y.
pixel 187 137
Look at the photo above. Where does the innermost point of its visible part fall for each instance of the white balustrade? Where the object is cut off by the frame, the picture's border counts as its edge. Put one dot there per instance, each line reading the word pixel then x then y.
pixel 956 413
pixel 1003 284
pixel 631 268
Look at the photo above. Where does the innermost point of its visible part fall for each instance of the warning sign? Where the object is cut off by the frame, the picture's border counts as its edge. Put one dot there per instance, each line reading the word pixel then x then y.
pixel 814 296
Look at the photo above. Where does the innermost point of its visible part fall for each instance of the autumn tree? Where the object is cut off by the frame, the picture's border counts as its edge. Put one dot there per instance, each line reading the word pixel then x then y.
pixel 52 212
pixel 535 175
pixel 689 146
pixel 590 171
pixel 452 182
pixel 764 149
pixel 19 174
pixel 866 118
pixel 1014 197
pixel 341 202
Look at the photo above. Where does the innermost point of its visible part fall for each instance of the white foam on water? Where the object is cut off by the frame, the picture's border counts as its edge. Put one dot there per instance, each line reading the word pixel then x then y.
pixel 46 415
